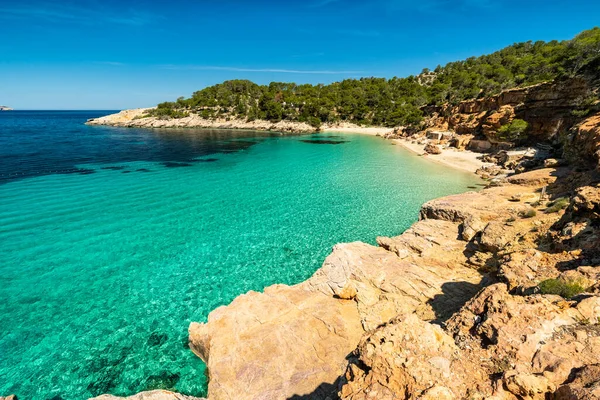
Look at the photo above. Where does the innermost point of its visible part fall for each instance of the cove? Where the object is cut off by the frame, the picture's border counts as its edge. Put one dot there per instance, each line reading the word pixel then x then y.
pixel 113 240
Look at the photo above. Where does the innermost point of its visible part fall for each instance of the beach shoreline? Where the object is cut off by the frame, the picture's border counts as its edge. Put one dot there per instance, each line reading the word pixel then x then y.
pixel 464 160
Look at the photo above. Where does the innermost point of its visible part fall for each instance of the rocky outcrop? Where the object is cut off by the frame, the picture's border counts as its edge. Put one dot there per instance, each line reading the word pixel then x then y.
pixel 432 149
pixel 409 358
pixel 583 141
pixel 551 109
pixel 585 385
pixel 250 344
pixel 136 118
pixel 404 320
pixel 150 395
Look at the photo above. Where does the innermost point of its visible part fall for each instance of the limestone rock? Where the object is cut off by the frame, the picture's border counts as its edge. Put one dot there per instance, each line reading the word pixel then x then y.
pixel 480 145
pixel 538 177
pixel 460 141
pixel 585 385
pixel 294 340
pixel 433 149
pixel 150 395
pixel 137 118
pixel 584 143
pixel 283 342
pixel 495 236
pixel 471 227
pixel 495 120
pixel 522 269
pixel 408 359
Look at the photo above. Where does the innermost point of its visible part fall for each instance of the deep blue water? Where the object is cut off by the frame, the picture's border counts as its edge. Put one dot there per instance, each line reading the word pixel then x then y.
pixel 112 239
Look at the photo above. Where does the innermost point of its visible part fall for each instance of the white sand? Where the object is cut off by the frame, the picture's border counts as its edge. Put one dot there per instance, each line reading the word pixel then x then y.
pixel 464 160
pixel 461 159
pixel 357 129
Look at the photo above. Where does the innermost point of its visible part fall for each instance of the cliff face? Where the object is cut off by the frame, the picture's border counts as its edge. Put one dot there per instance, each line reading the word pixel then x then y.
pixel 551 109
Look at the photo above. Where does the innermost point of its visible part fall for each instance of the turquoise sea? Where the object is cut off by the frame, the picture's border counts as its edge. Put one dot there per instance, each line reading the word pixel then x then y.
pixel 112 240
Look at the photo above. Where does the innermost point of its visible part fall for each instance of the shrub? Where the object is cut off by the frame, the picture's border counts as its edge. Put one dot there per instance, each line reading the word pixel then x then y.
pixel 529 213
pixel 314 122
pixel 561 287
pixel 513 131
pixel 557 205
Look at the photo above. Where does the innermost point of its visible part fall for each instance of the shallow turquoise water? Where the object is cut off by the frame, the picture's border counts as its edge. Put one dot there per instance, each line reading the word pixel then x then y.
pixel 102 272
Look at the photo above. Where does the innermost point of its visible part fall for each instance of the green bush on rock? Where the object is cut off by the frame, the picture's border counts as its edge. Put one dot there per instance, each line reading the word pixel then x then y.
pixel 561 287
pixel 513 131
pixel 557 205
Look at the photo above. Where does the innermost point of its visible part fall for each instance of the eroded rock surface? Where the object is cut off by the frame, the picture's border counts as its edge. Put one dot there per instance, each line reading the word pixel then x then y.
pixel 150 395
pixel 367 324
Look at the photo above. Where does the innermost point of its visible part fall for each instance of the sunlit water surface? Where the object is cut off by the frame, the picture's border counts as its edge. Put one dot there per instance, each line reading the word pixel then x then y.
pixel 112 240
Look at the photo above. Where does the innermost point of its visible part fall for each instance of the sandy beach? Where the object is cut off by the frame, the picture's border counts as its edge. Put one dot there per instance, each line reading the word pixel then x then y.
pixel 464 160
pixel 349 128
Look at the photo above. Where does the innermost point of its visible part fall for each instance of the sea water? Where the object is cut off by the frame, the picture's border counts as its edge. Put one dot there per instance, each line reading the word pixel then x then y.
pixel 112 240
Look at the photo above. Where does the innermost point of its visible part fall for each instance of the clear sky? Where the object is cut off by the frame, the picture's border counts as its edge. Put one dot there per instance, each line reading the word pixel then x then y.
pixel 115 54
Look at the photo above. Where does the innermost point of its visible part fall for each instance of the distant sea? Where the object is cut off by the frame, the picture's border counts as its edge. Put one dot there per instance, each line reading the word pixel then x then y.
pixel 112 240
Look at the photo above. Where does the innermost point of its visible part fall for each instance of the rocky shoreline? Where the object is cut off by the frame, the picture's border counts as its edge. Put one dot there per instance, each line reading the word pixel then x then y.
pixel 135 118
pixel 448 309
pixel 490 295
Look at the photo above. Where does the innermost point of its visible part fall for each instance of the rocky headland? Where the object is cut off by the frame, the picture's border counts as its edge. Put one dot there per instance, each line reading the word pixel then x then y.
pixel 137 118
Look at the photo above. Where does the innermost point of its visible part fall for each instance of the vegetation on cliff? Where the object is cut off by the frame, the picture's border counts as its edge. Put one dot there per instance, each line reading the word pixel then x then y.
pixel 395 101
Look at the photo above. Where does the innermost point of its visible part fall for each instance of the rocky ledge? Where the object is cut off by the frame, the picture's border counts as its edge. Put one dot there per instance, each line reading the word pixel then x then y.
pixel 450 309
pixel 136 118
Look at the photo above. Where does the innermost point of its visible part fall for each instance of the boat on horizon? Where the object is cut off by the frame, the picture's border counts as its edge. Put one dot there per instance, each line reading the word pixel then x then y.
pixel 5 108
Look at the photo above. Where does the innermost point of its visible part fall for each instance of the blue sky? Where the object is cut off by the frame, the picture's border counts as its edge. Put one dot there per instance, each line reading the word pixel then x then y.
pixel 108 54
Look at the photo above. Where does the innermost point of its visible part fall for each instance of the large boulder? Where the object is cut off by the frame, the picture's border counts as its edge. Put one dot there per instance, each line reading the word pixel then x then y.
pixel 432 149
pixel 410 359
pixel 584 386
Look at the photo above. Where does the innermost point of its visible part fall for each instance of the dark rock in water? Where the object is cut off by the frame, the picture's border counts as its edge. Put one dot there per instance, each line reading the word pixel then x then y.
pixel 57 397
pixel 106 382
pixel 85 171
pixel 142 170
pixel 170 164
pixel 165 380
pixel 207 160
pixel 157 339
pixel 114 168
pixel 325 141
pixel 125 172
pixel 30 300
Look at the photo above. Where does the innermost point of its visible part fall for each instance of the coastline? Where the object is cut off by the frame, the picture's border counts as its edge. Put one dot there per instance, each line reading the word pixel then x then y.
pixel 385 302
pixel 464 160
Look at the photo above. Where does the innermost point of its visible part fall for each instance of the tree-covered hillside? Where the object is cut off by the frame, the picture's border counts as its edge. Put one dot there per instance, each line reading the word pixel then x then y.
pixel 395 101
